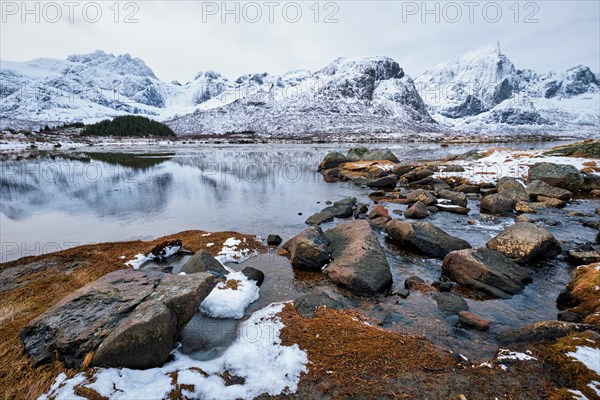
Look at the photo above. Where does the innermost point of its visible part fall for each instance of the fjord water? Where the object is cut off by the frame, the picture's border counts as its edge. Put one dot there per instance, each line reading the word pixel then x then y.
pixel 52 203
pixel 49 203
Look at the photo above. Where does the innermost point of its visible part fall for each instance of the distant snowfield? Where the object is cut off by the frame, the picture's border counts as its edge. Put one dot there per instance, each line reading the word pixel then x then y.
pixel 257 355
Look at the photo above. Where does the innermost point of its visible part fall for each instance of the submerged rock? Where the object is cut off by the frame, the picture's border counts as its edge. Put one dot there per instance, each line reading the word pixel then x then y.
pixel 560 175
pixel 359 262
pixel 471 320
pixel 424 237
pixel 308 250
pixel 307 304
pixel 486 271
pixel 126 318
pixel 525 242
pixel 274 240
pixel 451 302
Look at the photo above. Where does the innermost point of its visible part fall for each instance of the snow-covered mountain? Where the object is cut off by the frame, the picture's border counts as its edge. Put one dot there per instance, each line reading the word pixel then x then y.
pixel 350 95
pixel 477 91
pixel 482 89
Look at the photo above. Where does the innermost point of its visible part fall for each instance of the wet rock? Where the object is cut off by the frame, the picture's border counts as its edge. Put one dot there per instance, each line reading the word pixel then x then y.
pixel 394 319
pixel 443 286
pixel 507 183
pixel 451 302
pixel 454 168
pixel 404 293
pixel 378 211
pixel 356 153
pixel 584 257
pixel 544 331
pixel 332 160
pixel 388 181
pixel 551 201
pixel 425 197
pixel 456 198
pixel 590 183
pixel 379 222
pixel 569 316
pixel 307 304
pixel 471 320
pixel 331 175
pixel 402 169
pixel 451 208
pixel 254 275
pixel 524 242
pixel 351 201
pixel 424 237
pixel 319 218
pixel 359 262
pixel 466 188
pixel 486 271
pixel 128 318
pixel 560 175
pixel 414 283
pixel 439 185
pixel 488 191
pixel 417 211
pixel 504 201
pixel 361 209
pixel 274 240
pixel 539 188
pixel 308 250
pixel 339 210
pixel 417 174
pixel 203 261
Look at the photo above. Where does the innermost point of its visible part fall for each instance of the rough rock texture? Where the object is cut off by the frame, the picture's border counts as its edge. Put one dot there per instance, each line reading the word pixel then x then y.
pixel 254 274
pixel 509 192
pixel 307 304
pixel 388 181
pixel 274 240
pixel 424 237
pixel 525 242
pixel 203 261
pixel 378 211
pixel 456 198
pixel 560 175
pixel 421 195
pixel 128 318
pixel 541 188
pixel 359 262
pixel 542 332
pixel 308 250
pixel 332 160
pixel 486 271
pixel 417 211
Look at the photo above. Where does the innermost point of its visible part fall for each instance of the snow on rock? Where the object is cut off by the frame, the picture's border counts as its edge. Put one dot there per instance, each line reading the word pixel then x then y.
pixel 235 250
pixel 504 354
pixel 258 356
pixel 230 299
pixel 140 259
pixel 588 356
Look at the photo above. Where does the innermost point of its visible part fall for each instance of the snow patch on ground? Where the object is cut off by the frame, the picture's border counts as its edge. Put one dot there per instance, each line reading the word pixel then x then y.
pixel 257 355
pixel 225 302
pixel 504 354
pixel 140 259
pixel 233 252
pixel 588 356
pixel 507 163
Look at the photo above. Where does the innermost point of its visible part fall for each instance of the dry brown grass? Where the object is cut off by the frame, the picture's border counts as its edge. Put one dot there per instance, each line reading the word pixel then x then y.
pixel 38 291
pixel 348 358
pixel 583 286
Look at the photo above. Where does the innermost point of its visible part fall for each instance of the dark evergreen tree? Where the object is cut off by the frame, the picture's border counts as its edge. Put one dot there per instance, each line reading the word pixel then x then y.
pixel 129 125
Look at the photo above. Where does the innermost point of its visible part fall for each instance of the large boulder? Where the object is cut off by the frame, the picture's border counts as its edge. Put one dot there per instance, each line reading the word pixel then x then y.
pixel 424 237
pixel 541 188
pixel 359 262
pixel 421 195
pixel 126 318
pixel 504 201
pixel 203 261
pixel 486 271
pixel 560 175
pixel 417 211
pixel 456 198
pixel 308 250
pixel 379 155
pixel 525 242
pixel 332 160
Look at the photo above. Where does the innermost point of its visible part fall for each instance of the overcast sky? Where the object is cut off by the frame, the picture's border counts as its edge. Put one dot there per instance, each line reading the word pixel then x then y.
pixel 178 39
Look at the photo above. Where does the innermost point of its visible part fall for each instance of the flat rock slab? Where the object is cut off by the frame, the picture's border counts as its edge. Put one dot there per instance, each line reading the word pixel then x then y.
pixel 128 318
pixel 359 262
pixel 525 242
pixel 486 271
pixel 424 237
